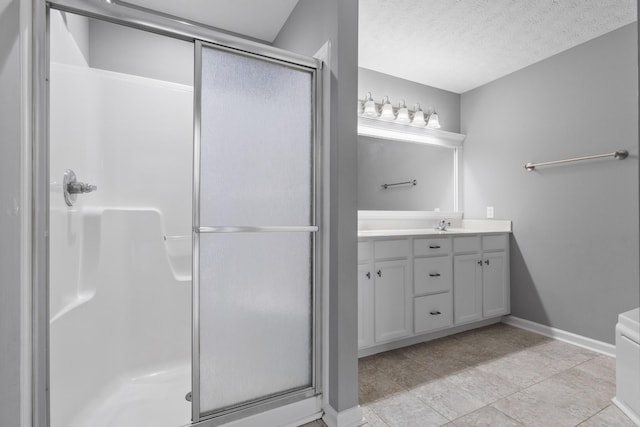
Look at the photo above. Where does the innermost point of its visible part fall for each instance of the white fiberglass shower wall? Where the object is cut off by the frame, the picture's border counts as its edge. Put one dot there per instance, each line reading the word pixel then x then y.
pixel 120 257
pixel 125 347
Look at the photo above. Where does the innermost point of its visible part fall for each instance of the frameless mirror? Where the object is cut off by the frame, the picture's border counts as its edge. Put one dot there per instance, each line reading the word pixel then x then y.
pixel 383 161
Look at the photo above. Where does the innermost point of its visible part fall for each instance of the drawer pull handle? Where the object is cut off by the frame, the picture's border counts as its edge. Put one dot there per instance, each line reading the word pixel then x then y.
pixel 434 274
pixel 486 261
pixel 434 312
pixel 434 246
pixel 368 275
pixel 379 273
pixel 480 263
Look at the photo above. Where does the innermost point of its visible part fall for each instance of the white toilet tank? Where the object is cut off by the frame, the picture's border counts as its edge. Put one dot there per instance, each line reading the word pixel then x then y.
pixel 628 364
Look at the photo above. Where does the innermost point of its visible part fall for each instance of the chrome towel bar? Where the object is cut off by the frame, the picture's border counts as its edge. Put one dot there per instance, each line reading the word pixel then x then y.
pixel 413 183
pixel 620 154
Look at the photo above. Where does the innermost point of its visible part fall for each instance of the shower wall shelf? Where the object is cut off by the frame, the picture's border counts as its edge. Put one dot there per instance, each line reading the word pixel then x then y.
pixel 377 128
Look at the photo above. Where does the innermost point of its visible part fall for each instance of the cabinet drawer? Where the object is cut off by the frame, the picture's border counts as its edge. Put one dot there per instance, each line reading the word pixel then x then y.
pixel 491 243
pixel 364 251
pixel 432 312
pixel 432 274
pixel 391 248
pixel 466 244
pixel 436 246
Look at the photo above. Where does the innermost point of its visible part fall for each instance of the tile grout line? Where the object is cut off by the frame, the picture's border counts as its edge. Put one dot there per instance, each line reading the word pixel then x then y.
pixel 525 388
pixel 588 418
pixel 423 365
pixel 542 380
pixel 407 389
pixel 467 367
pixel 548 378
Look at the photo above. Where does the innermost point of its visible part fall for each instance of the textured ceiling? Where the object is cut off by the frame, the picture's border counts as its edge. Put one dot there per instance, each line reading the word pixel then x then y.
pixel 259 19
pixel 458 45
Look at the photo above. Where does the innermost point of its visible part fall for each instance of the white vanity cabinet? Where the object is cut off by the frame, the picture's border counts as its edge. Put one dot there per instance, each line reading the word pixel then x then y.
pixel 365 306
pixel 467 270
pixel 384 291
pixel 481 277
pixel 432 284
pixel 495 285
pixel 392 315
pixel 411 288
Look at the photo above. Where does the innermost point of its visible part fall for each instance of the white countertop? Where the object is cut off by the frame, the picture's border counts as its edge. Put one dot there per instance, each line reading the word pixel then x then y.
pixel 468 227
pixel 418 232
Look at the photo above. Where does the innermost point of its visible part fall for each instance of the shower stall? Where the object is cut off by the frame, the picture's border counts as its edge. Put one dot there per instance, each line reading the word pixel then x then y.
pixel 183 256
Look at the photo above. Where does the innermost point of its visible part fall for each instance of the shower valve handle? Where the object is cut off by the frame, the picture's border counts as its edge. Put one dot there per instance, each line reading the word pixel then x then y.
pixel 80 187
pixel 71 187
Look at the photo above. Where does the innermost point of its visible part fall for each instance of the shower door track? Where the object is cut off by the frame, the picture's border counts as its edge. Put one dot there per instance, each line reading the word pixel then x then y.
pixel 118 12
pixel 122 13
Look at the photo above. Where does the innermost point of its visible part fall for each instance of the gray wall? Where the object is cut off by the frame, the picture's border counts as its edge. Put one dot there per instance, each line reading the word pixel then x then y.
pixel 446 103
pixel 10 211
pixel 309 26
pixel 382 161
pixel 574 258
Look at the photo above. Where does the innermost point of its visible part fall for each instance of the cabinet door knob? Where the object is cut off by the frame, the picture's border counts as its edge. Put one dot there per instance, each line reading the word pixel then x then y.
pixel 434 312
pixel 379 273
pixel 486 261
pixel 434 246
pixel 434 274
pixel 368 275
pixel 480 263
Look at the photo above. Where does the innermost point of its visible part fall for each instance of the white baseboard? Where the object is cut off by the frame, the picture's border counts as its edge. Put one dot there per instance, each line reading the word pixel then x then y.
pixel 349 418
pixel 627 411
pixel 559 334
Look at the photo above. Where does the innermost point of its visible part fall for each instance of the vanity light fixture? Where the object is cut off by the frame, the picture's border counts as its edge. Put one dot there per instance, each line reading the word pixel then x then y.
pixel 370 108
pixel 367 107
pixel 386 113
pixel 433 122
pixel 403 114
pixel 418 116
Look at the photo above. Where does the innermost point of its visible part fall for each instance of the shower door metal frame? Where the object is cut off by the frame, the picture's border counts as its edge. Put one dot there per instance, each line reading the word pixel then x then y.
pixel 266 403
pixel 119 12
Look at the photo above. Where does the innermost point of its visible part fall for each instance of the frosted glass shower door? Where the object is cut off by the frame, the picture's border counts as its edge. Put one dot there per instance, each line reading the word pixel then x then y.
pixel 254 233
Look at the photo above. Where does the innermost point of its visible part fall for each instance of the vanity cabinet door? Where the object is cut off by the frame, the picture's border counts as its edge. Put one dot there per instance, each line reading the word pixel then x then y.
pixel 495 282
pixel 467 288
pixel 365 305
pixel 391 300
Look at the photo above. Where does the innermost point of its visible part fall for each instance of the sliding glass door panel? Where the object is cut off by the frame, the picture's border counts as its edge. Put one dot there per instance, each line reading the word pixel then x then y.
pixel 256 316
pixel 257 132
pixel 255 233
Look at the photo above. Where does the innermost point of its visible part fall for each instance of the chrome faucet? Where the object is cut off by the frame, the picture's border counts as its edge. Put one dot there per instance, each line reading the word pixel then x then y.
pixel 442 225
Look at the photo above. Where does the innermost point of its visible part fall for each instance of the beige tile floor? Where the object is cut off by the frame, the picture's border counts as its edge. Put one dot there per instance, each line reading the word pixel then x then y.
pixel 493 376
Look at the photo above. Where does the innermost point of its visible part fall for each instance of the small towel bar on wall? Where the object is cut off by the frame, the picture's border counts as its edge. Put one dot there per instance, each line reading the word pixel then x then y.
pixel 620 154
pixel 412 183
